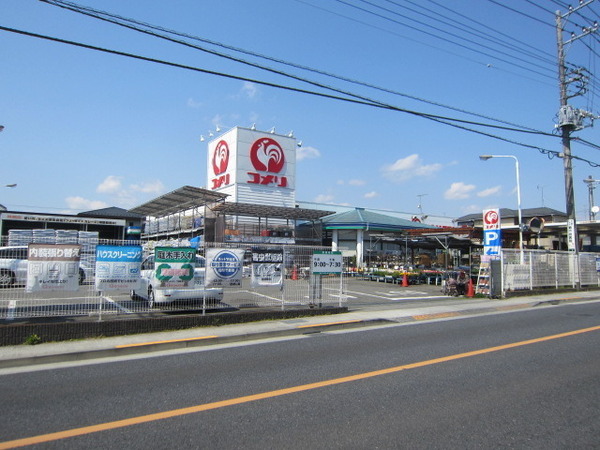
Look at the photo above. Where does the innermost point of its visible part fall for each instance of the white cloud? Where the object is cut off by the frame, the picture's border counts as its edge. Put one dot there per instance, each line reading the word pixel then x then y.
pixel 469 209
pixel 489 191
pixel 427 170
pixel 324 198
pixel 307 153
pixel 80 203
pixel 150 187
pixel 217 120
pixel 193 103
pixel 459 191
pixel 122 196
pixel 371 194
pixel 404 164
pixel 249 90
pixel 406 168
pixel 110 185
pixel 253 117
pixel 352 182
pixel 357 182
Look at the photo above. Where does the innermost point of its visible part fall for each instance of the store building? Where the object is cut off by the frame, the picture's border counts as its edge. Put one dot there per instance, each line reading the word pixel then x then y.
pixel 107 223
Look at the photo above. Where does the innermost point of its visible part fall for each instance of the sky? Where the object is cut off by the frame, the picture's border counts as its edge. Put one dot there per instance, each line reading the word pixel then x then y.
pixel 85 129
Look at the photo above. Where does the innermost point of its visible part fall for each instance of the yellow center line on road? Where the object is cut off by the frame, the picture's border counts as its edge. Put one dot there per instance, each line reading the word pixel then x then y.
pixel 511 307
pixel 435 316
pixel 272 394
pixel 141 344
pixel 328 323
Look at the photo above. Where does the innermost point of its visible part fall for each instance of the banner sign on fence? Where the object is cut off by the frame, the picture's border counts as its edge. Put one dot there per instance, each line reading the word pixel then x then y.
pixel 326 262
pixel 53 267
pixel 267 267
pixel 224 267
pixel 571 233
pixel 118 267
pixel 492 233
pixel 174 267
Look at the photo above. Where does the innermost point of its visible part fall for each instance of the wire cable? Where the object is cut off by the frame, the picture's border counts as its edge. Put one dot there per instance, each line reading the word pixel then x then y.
pixel 438 119
pixel 90 12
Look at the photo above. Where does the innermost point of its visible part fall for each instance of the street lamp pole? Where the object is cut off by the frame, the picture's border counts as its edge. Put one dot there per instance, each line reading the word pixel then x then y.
pixel 485 158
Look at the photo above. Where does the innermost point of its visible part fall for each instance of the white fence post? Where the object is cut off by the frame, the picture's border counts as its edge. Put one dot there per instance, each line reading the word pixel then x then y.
pixel 530 255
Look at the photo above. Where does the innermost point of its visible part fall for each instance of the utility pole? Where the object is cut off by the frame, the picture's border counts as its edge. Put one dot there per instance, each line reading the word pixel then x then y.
pixel 569 118
pixel 591 186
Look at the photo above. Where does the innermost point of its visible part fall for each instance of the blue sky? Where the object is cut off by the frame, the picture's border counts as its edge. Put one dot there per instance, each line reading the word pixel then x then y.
pixel 87 130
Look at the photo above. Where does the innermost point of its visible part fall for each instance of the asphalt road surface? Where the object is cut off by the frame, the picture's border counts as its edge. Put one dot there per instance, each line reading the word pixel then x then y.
pixel 526 379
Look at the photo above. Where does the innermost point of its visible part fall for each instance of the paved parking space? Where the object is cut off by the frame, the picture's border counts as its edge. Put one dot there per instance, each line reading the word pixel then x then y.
pixel 371 294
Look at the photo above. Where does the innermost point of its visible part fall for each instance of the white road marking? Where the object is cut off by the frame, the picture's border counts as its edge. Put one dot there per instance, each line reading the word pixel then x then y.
pixel 110 300
pixel 387 296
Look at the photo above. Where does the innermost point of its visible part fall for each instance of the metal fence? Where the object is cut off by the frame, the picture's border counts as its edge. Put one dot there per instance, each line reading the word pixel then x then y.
pixel 538 269
pixel 298 287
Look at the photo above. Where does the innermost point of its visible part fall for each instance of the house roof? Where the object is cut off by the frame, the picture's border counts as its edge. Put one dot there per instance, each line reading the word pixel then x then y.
pixel 525 212
pixel 113 212
pixel 364 219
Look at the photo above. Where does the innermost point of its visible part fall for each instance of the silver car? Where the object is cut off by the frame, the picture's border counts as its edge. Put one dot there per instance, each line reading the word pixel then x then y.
pixel 156 296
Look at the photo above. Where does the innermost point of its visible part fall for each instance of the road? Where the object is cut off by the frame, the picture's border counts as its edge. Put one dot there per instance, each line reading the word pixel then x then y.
pixel 527 379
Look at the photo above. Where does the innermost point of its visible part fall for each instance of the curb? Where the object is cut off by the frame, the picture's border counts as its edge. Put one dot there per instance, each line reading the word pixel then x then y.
pixel 203 341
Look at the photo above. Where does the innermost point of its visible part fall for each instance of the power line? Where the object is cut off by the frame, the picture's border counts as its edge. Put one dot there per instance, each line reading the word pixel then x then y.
pixel 487 28
pixel 439 119
pixel 441 38
pixel 521 13
pixel 361 100
pixel 480 34
pixel 90 12
pixel 412 39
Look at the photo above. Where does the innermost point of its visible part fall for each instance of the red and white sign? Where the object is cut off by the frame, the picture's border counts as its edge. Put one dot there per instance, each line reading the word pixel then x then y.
pixel 220 165
pixel 252 166
pixel 268 159
pixel 491 219
pixel 492 234
pixel 250 157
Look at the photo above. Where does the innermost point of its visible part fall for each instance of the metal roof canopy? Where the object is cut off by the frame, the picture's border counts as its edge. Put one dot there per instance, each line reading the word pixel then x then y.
pixel 181 199
pixel 270 212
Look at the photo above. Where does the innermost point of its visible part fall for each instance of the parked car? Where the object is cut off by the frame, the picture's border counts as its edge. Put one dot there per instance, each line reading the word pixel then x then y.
pixel 14 263
pixel 157 296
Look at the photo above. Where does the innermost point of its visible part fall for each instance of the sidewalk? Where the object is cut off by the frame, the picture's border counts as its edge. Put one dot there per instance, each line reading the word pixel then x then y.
pixel 24 355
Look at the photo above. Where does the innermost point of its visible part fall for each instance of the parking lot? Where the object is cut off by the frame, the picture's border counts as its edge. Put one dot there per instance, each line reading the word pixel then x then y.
pixel 357 294
pixel 363 295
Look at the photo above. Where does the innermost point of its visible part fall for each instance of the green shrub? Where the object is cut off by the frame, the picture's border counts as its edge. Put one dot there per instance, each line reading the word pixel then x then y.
pixel 33 339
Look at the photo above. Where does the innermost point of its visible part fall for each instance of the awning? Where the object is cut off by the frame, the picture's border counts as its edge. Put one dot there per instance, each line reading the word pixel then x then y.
pixel 182 199
pixel 271 212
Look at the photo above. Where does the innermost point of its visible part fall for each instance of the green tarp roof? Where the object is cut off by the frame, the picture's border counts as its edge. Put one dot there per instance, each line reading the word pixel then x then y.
pixel 363 219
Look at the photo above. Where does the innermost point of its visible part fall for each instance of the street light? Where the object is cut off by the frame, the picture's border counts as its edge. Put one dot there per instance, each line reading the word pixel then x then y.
pixel 485 158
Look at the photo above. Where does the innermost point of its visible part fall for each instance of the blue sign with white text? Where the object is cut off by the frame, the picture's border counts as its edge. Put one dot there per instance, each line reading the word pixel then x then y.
pixel 118 267
pixel 492 242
